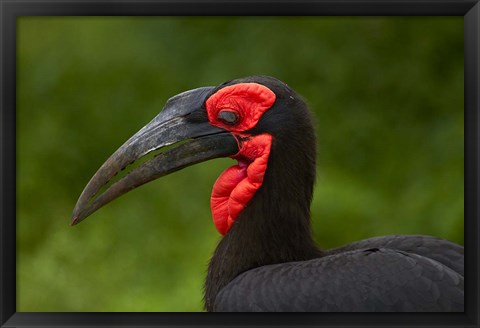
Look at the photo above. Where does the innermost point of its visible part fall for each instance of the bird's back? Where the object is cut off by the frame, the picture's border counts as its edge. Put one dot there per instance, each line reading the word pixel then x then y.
pixel 386 274
pixel 441 250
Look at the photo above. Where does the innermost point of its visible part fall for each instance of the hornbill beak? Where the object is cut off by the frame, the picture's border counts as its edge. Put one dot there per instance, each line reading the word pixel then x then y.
pixel 182 121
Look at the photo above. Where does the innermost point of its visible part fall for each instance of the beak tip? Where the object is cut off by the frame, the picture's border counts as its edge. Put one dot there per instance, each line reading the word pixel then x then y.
pixel 75 220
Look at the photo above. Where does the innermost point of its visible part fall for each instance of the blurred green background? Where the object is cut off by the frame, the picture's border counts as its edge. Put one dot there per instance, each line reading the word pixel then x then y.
pixel 388 99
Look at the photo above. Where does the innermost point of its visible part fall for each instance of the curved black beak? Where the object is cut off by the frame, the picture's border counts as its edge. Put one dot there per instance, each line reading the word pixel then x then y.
pixel 182 121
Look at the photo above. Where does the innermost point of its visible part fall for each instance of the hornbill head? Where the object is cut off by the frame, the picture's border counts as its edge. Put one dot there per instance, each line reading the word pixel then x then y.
pixel 244 119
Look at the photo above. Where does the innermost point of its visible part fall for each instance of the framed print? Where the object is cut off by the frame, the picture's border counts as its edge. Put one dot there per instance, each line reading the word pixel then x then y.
pixel 276 133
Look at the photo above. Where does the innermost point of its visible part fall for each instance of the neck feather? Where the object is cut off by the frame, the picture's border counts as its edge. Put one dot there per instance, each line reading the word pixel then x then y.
pixel 273 228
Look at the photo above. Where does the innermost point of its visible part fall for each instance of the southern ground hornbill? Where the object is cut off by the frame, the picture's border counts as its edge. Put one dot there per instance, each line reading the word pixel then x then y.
pixel 267 259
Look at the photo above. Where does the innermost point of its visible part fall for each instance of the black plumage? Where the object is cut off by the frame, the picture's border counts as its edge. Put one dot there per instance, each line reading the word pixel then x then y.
pixel 363 279
pixel 268 261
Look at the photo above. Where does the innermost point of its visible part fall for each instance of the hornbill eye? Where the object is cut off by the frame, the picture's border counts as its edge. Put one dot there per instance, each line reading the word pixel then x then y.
pixel 228 117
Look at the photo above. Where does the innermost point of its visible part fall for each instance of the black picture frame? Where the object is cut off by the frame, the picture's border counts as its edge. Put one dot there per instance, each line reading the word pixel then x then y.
pixel 10 10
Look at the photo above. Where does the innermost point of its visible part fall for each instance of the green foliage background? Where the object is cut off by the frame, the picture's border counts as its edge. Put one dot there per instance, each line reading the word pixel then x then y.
pixel 388 99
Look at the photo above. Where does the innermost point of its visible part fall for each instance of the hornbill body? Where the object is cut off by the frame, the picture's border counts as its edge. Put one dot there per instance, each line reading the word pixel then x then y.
pixel 267 259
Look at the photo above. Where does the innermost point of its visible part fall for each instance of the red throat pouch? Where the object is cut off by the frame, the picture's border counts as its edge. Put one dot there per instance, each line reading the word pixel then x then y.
pixel 237 185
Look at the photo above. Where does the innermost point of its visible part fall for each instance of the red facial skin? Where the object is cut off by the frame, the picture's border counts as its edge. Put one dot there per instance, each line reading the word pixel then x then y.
pixel 237 185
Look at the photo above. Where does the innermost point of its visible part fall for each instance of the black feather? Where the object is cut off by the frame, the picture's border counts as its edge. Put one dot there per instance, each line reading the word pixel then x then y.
pixel 268 260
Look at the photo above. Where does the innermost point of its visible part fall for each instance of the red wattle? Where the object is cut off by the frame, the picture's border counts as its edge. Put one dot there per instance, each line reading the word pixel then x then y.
pixel 237 185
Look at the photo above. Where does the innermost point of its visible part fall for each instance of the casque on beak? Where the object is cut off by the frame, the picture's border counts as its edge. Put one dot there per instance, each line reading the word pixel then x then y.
pixel 182 121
